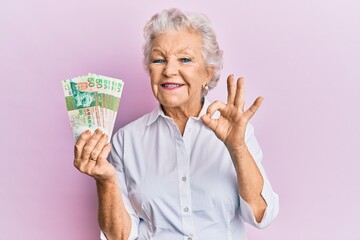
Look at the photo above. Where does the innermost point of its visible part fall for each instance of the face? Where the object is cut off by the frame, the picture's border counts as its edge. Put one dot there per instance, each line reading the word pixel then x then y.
pixel 177 69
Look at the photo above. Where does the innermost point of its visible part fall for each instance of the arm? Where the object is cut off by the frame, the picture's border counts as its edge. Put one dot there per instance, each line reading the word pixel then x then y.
pixel 270 197
pixel 113 218
pixel 230 128
pixel 91 152
pixel 250 181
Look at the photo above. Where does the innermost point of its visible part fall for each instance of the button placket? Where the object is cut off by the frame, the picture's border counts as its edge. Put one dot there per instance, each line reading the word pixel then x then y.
pixel 184 187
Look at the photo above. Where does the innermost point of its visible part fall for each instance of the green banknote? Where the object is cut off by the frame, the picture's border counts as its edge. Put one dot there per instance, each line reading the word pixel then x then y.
pixel 92 102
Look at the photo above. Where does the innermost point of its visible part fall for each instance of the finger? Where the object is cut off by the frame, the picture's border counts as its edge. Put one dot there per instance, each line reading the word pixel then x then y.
pixel 104 153
pixel 80 143
pixel 209 122
pixel 215 106
pixel 231 89
pixel 99 146
pixel 90 145
pixel 90 166
pixel 254 107
pixel 239 97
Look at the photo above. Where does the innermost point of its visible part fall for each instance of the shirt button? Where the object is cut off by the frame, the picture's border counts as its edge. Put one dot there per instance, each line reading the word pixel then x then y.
pixel 189 238
pixel 182 152
pixel 184 179
pixel 186 209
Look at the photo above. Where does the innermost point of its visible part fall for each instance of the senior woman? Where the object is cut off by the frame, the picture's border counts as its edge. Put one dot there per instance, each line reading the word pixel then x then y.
pixel 189 169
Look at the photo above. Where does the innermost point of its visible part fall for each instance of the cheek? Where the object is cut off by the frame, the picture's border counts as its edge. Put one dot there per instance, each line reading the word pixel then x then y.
pixel 154 80
pixel 154 75
pixel 202 78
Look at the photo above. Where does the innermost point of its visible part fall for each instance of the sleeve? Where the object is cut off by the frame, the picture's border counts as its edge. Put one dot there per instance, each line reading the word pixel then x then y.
pixel 270 197
pixel 116 159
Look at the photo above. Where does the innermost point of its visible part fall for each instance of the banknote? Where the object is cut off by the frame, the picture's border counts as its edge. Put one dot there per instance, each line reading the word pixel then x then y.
pixel 92 102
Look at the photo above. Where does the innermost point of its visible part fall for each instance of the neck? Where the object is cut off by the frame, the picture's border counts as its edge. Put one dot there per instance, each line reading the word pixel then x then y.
pixel 180 115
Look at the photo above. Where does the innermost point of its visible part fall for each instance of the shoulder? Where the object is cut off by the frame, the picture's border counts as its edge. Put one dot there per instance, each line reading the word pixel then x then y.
pixel 136 124
pixel 134 127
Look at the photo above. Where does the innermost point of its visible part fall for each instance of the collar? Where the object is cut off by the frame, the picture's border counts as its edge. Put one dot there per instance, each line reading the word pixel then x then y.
pixel 157 112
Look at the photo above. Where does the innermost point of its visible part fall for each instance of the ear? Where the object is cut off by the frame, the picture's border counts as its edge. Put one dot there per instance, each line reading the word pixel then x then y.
pixel 210 70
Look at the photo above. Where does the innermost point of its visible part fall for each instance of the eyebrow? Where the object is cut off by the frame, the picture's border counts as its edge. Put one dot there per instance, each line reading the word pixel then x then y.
pixel 181 50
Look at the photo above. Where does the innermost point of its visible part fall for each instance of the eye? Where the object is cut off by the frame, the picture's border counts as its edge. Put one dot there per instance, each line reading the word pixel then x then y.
pixel 158 61
pixel 185 60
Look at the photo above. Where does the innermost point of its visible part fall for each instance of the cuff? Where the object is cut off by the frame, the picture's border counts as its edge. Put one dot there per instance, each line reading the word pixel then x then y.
pixel 271 211
pixel 134 229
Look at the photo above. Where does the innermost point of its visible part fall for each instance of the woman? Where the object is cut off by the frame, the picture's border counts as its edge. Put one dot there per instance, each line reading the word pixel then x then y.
pixel 189 169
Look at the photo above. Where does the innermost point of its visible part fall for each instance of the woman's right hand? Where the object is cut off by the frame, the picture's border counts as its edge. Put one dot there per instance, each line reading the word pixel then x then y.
pixel 91 151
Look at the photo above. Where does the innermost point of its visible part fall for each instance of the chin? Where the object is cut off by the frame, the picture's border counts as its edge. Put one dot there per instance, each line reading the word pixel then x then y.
pixel 171 102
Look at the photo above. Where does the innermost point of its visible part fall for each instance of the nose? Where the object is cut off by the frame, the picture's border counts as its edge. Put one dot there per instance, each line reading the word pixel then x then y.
pixel 171 68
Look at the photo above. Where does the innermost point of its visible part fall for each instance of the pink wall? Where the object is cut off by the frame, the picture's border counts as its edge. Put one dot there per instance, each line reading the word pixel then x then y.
pixel 303 56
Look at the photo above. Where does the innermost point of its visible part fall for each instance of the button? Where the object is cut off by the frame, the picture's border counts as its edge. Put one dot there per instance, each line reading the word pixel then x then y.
pixel 189 238
pixel 186 209
pixel 182 152
pixel 184 179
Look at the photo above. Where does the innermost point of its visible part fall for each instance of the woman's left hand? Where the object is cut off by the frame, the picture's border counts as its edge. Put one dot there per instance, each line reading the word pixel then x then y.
pixel 230 127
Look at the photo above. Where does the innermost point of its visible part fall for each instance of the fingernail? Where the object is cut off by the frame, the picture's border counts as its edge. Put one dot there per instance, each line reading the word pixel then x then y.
pixel 87 132
pixel 98 131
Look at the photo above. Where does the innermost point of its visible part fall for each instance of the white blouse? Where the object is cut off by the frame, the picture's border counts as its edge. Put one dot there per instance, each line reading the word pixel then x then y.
pixel 183 187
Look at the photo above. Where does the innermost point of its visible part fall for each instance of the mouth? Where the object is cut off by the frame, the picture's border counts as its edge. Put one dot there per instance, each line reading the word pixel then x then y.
pixel 171 86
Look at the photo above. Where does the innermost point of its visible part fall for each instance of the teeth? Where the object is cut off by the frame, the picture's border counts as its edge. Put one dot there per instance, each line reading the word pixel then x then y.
pixel 171 85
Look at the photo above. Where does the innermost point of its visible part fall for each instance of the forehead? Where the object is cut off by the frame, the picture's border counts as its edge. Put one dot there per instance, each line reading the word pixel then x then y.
pixel 180 41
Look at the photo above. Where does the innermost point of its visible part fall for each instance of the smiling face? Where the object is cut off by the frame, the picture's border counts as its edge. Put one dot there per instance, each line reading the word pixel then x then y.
pixel 177 70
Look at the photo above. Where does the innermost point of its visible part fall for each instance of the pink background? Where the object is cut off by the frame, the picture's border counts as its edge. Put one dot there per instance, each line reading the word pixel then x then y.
pixel 303 56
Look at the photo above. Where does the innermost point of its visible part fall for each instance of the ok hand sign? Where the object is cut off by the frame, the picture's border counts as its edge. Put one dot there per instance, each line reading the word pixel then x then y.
pixel 230 127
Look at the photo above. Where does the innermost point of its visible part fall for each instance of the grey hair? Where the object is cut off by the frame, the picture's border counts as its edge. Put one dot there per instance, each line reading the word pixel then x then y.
pixel 174 19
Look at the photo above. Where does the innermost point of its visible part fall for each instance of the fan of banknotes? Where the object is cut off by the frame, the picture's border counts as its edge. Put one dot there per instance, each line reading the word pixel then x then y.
pixel 92 102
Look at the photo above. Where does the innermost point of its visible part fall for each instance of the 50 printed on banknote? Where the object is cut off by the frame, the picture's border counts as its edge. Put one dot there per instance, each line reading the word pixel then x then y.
pixel 92 102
